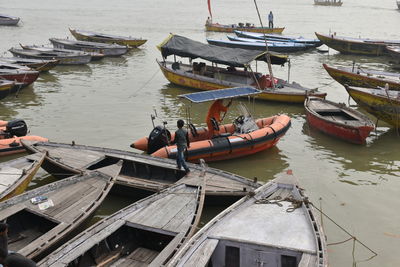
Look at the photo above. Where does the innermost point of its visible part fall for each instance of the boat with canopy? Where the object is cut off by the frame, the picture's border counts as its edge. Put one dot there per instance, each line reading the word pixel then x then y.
pixel 245 136
pixel 198 75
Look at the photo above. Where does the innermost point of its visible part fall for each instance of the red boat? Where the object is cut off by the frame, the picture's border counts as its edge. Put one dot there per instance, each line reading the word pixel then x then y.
pixel 5 88
pixel 18 73
pixel 338 120
pixel 11 134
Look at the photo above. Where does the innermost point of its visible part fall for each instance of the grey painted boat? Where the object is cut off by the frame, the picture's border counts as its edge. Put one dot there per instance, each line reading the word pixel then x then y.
pixel 102 48
pixel 8 20
pixel 42 48
pixel 76 58
pixel 36 64
pixel 274 227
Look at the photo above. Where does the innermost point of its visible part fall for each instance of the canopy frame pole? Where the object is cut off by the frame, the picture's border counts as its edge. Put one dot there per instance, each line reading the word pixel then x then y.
pixel 255 78
pixel 266 48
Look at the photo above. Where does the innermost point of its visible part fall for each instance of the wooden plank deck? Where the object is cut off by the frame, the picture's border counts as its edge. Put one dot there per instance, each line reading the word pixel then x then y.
pixel 140 257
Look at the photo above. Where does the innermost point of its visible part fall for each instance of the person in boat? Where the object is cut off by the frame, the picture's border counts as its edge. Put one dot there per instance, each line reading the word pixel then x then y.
pixel 208 21
pixel 214 116
pixel 270 20
pixel 11 259
pixel 182 143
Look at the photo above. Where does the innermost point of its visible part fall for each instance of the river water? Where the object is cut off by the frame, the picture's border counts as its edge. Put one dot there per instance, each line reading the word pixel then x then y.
pixel 108 103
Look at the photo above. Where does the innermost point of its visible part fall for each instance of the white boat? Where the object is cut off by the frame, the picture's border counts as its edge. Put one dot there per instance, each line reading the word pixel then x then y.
pixel 8 20
pixel 328 2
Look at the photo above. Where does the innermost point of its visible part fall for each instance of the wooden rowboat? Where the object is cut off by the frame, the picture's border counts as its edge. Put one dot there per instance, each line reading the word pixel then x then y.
pixel 36 64
pixel 40 219
pixel 7 20
pixel 102 48
pixel 18 73
pixel 385 105
pixel 274 227
pixel 363 77
pixel 328 2
pixel 139 173
pixel 41 48
pixel 107 38
pixel 360 46
pixel 338 120
pixel 278 37
pixel 15 175
pixel 146 233
pixel 394 52
pixel 216 27
pixel 5 88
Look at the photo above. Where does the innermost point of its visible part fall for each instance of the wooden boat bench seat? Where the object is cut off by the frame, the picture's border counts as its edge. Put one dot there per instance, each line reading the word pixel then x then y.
pixel 138 258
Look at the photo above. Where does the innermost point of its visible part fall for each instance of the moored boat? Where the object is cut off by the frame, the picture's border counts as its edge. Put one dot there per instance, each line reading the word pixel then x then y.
pixel 146 233
pixel 139 173
pixel 338 120
pixel 41 219
pixel 107 38
pixel 249 27
pixel 275 227
pixel 102 48
pixel 360 46
pixel 398 4
pixel 383 104
pixel 237 42
pixel 18 73
pixel 76 58
pixel 36 64
pixel 394 52
pixel 198 75
pixel 361 77
pixel 328 2
pixel 8 20
pixel 244 137
pixel 278 37
pixel 41 48
pixel 5 88
pixel 16 174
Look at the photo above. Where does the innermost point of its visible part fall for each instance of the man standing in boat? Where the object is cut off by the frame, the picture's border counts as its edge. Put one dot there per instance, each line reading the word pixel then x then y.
pixel 182 143
pixel 214 116
pixel 270 20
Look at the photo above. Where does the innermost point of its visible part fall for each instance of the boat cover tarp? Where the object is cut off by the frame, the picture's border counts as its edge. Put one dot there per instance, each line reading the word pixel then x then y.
pixel 212 95
pixel 236 57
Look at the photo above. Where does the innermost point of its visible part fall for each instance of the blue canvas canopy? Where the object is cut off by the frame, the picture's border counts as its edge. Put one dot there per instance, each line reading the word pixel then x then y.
pixel 220 94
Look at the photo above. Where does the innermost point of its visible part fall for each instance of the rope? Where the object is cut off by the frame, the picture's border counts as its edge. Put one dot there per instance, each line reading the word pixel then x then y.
pixel 278 199
pixel 145 84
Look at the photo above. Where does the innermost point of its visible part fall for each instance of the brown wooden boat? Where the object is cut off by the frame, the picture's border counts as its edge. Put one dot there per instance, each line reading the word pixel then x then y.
pixel 140 173
pixel 146 233
pixel 41 219
pixel 15 175
pixel 18 73
pixel 36 64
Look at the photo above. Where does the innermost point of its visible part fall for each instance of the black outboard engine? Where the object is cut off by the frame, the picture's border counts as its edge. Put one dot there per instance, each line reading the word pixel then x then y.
pixel 16 127
pixel 158 138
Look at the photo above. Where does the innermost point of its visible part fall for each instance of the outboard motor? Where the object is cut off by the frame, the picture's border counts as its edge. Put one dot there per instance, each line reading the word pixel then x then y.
pixel 158 138
pixel 16 127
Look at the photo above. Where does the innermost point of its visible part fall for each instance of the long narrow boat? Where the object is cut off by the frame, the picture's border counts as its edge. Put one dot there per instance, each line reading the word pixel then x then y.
pixel 146 233
pixel 42 48
pixel 394 52
pixel 278 37
pixel 385 105
pixel 328 2
pixel 18 73
pixel 140 173
pixel 107 38
pixel 41 219
pixel 77 58
pixel 244 137
pixel 36 64
pixel 398 4
pixel 363 77
pixel 360 46
pixel 102 48
pixel 5 88
pixel 274 227
pixel 198 75
pixel 16 174
pixel 216 27
pixel 338 120
pixel 236 42
pixel 8 20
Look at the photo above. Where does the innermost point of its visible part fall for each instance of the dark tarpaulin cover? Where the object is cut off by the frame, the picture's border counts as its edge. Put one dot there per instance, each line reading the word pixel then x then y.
pixel 220 94
pixel 236 57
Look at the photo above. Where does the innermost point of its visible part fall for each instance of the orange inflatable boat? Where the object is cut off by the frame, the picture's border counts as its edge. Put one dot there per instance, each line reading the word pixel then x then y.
pixel 11 134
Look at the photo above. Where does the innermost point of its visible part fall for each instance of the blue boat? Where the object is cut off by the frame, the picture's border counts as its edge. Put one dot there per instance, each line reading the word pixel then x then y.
pixel 278 37
pixel 285 47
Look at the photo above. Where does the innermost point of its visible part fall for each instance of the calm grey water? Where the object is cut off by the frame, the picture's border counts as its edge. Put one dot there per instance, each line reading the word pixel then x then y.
pixel 109 103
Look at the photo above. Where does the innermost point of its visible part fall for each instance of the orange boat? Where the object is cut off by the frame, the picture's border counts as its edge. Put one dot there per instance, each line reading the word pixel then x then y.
pixel 243 137
pixel 11 134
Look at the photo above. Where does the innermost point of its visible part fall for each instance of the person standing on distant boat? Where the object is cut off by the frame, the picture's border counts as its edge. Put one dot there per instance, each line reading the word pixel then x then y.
pixel 182 143
pixel 270 20
pixel 208 21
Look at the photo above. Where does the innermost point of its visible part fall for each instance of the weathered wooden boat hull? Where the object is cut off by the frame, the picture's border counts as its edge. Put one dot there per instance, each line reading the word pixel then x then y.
pixel 353 47
pixel 229 28
pixel 6 20
pixel 63 60
pixel 107 51
pixel 143 172
pixel 380 106
pixel 354 79
pixel 5 88
pixel 341 122
pixel 138 229
pixel 17 174
pixel 282 47
pixel 37 229
pixel 13 145
pixel 39 65
pixel 132 43
pixel 204 83
pixel 24 76
pixel 394 52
